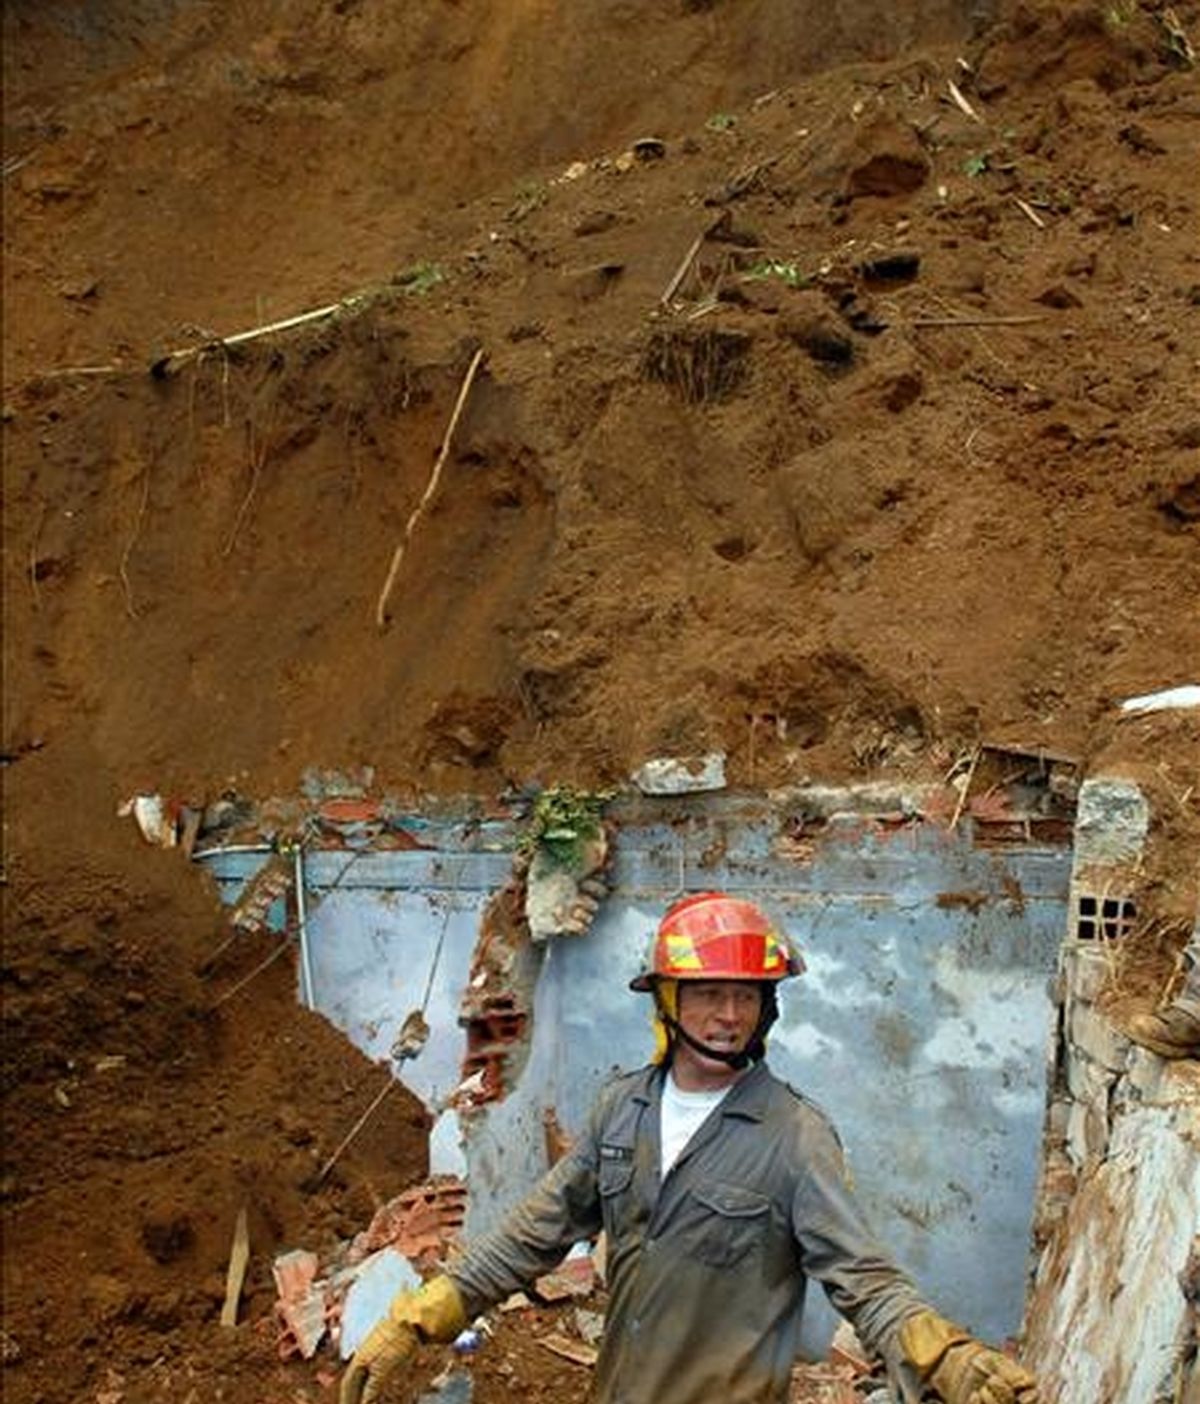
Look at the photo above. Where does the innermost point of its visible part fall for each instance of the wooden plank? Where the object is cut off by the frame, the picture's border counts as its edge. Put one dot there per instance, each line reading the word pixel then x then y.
pixel 239 1256
pixel 577 1352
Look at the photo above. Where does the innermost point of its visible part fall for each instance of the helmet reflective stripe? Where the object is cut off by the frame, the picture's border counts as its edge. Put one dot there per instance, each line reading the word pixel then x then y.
pixel 775 955
pixel 681 952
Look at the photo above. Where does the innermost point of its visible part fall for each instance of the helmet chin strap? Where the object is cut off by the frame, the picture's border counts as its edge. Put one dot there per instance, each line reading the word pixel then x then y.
pixel 755 1049
pixel 739 1059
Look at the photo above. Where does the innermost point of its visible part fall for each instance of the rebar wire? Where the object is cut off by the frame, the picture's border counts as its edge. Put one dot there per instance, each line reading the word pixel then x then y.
pixel 210 961
pixel 355 1129
pixel 337 882
pixel 279 950
pixel 258 969
pixel 394 1078
pixel 437 950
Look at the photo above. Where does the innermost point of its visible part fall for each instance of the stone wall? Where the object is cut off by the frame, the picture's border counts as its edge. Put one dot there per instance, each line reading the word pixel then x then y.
pixel 1112 1317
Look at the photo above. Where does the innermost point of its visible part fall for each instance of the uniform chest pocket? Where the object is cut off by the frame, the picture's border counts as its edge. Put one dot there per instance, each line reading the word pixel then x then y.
pixel 615 1170
pixel 613 1179
pixel 730 1223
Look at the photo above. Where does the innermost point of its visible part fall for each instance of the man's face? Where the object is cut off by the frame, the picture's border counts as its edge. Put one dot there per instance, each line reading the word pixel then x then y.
pixel 720 1014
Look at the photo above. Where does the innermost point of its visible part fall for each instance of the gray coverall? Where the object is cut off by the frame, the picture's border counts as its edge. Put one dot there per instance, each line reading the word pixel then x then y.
pixel 707 1269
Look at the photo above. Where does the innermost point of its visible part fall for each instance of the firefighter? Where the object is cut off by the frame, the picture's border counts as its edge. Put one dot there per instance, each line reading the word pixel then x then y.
pixel 722 1191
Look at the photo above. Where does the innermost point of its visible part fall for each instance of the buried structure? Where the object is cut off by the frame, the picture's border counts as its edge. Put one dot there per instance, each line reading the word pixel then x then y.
pixel 960 941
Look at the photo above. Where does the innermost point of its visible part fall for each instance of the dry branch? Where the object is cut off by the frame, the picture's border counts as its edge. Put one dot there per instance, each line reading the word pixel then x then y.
pixel 974 321
pixel 381 614
pixel 14 163
pixel 33 554
pixel 114 368
pixel 173 361
pixel 130 608
pixel 961 103
pixel 1029 212
pixel 966 789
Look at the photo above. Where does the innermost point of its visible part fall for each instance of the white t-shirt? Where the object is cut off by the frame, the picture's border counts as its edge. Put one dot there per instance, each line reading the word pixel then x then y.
pixel 682 1113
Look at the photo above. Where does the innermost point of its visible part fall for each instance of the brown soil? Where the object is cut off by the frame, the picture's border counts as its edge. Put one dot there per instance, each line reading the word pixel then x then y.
pixel 795 515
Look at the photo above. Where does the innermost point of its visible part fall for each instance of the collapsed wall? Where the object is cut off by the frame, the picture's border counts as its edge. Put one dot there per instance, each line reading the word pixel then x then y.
pixel 931 926
pixel 929 918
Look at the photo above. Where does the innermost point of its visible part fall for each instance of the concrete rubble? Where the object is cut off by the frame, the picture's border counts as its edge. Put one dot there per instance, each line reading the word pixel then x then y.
pixel 415 1231
pixel 671 775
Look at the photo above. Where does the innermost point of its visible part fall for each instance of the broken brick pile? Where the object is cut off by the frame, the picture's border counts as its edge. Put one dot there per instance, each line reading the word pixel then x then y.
pixel 422 1223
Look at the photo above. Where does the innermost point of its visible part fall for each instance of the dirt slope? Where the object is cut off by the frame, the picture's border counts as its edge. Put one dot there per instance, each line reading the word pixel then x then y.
pixel 871 533
pixel 218 164
pixel 910 457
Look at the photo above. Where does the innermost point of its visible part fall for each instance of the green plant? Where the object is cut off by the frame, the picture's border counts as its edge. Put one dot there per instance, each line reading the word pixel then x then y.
pixel 530 196
pixel 977 165
pixel 788 273
pixel 420 279
pixel 562 821
pixel 721 122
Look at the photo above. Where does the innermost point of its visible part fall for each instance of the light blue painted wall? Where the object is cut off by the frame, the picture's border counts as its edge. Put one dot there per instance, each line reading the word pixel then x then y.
pixel 921 1028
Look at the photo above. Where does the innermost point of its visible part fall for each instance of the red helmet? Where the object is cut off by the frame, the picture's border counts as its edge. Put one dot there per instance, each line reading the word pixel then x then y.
pixel 711 936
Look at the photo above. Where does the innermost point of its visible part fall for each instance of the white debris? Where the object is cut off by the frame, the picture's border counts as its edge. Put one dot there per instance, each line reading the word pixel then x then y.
pixel 378 1280
pixel 301 1299
pixel 683 775
pixel 1185 696
pixel 151 815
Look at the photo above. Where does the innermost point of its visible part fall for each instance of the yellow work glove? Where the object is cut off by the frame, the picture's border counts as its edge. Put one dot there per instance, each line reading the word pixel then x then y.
pixel 434 1312
pixel 961 1369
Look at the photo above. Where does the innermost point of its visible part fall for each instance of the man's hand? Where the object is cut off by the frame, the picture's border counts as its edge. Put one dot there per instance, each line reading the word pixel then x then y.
pixel 961 1369
pixel 973 1373
pixel 390 1345
pixel 434 1312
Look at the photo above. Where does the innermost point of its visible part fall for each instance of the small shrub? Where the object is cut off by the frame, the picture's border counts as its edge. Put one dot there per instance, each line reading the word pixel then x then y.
pixel 563 820
pixel 420 279
pixel 789 273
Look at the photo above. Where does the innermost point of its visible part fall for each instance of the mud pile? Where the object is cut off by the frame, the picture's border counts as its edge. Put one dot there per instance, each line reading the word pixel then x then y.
pixel 838 411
